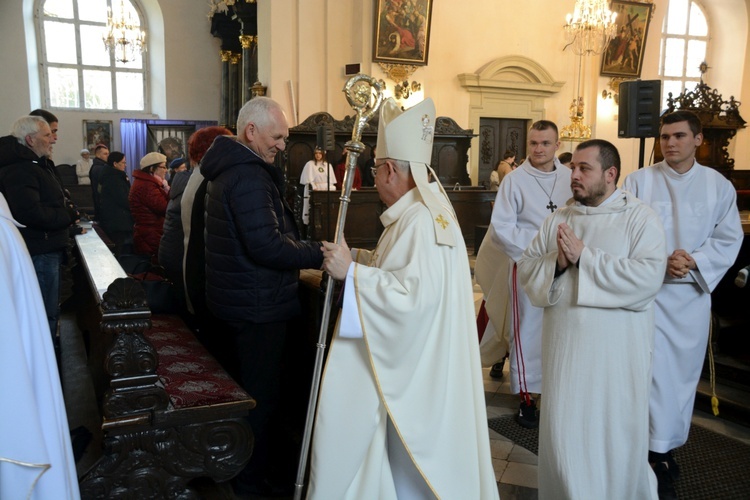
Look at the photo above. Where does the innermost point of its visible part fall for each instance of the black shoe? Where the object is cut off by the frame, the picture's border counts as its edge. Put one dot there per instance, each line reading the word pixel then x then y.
pixel 672 466
pixel 527 415
pixel 497 369
pixel 665 481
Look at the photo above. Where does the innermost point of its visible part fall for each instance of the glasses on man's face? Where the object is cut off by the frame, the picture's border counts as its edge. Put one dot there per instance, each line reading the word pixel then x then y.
pixel 374 169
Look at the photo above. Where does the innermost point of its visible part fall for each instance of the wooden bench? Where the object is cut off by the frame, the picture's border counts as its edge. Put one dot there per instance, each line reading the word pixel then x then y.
pixel 170 413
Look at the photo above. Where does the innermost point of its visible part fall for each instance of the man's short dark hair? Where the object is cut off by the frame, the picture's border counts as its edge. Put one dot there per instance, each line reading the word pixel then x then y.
pixel 509 153
pixel 608 154
pixel 683 115
pixel 48 117
pixel 565 157
pixel 545 125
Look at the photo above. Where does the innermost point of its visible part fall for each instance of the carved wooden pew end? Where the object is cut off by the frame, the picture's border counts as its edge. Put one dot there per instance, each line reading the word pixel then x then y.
pixel 171 413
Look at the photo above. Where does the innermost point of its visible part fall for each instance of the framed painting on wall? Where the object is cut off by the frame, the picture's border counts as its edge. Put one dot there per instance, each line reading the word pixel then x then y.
pixel 623 55
pixel 402 31
pixel 97 132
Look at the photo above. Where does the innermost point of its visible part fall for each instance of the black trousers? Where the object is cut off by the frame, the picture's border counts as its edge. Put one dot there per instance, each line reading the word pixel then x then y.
pixel 257 358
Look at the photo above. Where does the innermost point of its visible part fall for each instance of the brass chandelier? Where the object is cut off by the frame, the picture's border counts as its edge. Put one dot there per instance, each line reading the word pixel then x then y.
pixel 590 27
pixel 124 37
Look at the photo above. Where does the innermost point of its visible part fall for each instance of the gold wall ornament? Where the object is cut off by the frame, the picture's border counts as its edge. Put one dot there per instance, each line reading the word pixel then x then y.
pixel 577 130
pixel 247 41
pixel 257 89
pixel 404 89
pixel 235 57
pixel 398 72
pixel 225 55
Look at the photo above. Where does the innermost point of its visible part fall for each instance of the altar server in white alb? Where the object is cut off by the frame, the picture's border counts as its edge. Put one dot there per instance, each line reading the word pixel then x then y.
pixel 36 458
pixel 317 175
pixel 595 267
pixel 526 197
pixel 698 208
pixel 402 411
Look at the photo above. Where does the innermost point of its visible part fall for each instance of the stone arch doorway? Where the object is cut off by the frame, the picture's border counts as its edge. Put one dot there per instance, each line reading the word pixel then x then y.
pixel 510 87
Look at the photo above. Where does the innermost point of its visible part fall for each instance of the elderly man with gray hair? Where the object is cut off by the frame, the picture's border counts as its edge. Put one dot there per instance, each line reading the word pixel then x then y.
pixel 36 200
pixel 253 257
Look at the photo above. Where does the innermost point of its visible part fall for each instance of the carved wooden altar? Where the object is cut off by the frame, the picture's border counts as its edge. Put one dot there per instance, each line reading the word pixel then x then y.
pixel 721 119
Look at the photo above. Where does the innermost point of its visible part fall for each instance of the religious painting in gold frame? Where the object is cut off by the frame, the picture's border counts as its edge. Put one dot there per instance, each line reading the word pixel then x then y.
pixel 97 132
pixel 623 56
pixel 402 31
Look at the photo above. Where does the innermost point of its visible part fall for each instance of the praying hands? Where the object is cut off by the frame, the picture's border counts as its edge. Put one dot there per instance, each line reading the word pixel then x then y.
pixel 569 247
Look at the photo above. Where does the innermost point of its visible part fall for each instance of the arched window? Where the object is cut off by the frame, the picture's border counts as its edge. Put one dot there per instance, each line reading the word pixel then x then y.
pixel 77 72
pixel 684 44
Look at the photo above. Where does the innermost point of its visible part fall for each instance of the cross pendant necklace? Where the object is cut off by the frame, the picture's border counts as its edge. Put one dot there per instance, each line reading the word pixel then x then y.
pixel 550 206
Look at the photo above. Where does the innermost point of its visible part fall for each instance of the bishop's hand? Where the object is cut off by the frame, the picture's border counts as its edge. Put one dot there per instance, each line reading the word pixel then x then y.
pixel 336 259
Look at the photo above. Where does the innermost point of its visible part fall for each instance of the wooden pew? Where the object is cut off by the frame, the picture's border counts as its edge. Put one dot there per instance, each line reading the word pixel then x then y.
pixel 170 413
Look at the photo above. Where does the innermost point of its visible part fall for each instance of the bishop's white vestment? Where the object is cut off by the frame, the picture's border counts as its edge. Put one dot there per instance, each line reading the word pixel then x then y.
pixel 415 368
pixel 318 177
pixel 597 349
pixel 699 212
pixel 525 198
pixel 36 458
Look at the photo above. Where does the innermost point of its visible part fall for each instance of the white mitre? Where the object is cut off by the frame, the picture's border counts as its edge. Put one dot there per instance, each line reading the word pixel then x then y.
pixel 407 136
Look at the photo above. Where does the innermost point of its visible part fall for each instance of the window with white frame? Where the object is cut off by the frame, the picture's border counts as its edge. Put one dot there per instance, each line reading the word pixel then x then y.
pixel 77 71
pixel 684 44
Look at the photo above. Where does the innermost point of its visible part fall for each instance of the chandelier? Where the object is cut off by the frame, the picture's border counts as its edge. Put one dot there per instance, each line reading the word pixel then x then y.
pixel 124 37
pixel 590 27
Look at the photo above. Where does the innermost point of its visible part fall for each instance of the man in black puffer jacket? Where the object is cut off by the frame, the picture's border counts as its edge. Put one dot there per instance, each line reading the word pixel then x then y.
pixel 36 200
pixel 253 257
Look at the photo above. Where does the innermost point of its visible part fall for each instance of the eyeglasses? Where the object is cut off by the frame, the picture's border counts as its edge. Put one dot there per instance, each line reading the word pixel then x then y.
pixel 374 169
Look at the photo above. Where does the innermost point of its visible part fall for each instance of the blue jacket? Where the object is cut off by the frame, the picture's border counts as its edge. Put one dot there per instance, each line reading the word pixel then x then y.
pixel 253 250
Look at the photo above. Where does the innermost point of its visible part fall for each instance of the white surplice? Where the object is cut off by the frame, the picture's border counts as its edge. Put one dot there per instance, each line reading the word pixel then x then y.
pixel 521 205
pixel 416 367
pixel 319 176
pixel 36 458
pixel 699 212
pixel 597 349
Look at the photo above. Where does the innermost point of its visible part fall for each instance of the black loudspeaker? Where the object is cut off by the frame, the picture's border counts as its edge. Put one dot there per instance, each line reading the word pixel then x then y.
pixel 325 137
pixel 639 109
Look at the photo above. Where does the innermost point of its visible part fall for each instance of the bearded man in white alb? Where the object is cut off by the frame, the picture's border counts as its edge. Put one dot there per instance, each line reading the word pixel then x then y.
pixel 698 208
pixel 526 197
pixel 595 267
pixel 402 411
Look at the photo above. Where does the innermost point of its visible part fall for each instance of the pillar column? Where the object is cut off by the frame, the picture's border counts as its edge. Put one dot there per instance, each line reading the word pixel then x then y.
pixel 226 87
pixel 247 42
pixel 235 79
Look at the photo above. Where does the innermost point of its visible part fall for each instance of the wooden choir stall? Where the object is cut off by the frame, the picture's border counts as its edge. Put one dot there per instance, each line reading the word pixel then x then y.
pixel 473 205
